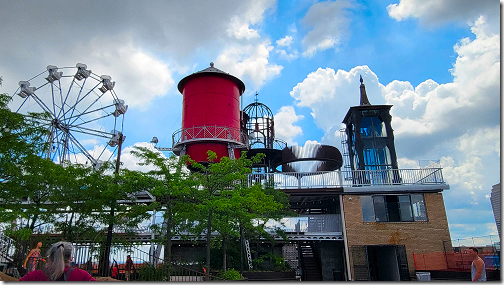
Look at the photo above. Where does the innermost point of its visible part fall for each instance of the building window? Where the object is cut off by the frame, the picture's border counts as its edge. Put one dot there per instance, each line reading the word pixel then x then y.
pixel 393 208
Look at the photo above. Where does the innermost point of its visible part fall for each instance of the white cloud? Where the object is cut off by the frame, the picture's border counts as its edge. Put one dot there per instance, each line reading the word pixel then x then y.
pixel 287 56
pixel 284 42
pixel 129 161
pixel 466 174
pixel 239 26
pixel 433 108
pixel 406 163
pixel 139 76
pixel 284 124
pixel 249 61
pixel 436 12
pixel 482 142
pixel 326 91
pixel 329 24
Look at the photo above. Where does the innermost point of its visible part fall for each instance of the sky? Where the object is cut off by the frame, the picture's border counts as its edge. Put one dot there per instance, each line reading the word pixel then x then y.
pixel 436 61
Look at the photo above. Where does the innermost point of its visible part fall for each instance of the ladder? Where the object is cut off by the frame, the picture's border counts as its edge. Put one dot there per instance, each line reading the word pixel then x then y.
pixel 249 256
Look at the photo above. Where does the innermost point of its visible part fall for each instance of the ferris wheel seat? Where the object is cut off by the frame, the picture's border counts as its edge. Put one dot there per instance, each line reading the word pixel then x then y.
pixel 120 107
pixel 53 73
pixel 82 71
pixel 26 90
pixel 108 84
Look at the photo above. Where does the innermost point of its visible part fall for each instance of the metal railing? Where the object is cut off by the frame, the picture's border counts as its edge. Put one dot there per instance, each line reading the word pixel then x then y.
pixel 219 133
pixel 7 248
pixel 328 223
pixel 144 269
pixel 335 179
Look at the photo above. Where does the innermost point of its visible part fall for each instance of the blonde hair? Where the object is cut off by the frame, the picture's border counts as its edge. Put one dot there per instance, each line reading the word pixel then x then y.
pixel 58 255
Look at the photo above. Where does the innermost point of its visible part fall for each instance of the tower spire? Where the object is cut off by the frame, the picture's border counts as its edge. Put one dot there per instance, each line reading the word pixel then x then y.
pixel 363 96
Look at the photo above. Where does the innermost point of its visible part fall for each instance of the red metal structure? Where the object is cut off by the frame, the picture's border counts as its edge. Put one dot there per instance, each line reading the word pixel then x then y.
pixel 210 115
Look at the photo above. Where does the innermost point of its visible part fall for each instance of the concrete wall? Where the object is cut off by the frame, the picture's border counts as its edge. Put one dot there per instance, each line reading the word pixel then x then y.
pixel 418 237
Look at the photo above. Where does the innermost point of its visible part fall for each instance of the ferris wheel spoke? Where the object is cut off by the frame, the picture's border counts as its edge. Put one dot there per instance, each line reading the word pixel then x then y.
pixel 82 149
pixel 66 98
pixel 53 101
pixel 95 119
pixel 20 106
pixel 83 97
pixel 62 108
pixel 90 112
pixel 99 97
pixel 42 104
pixel 81 87
pixel 93 133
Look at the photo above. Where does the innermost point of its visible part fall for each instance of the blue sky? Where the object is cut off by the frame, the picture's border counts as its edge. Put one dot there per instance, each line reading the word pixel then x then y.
pixel 436 61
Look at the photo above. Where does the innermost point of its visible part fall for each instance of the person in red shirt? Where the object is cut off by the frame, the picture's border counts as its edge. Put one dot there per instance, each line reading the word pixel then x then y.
pixel 58 266
pixel 115 270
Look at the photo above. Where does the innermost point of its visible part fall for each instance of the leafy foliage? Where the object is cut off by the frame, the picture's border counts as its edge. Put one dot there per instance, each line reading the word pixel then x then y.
pixel 230 274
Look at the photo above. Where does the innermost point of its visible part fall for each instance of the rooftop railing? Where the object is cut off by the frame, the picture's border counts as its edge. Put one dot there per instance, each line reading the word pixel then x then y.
pixel 307 224
pixel 217 133
pixel 354 178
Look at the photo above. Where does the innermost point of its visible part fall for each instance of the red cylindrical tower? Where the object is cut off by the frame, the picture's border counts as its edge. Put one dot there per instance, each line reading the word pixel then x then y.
pixel 210 115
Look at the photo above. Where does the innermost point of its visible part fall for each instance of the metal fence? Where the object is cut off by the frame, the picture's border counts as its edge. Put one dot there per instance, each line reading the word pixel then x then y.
pixel 7 248
pixel 335 179
pixel 144 269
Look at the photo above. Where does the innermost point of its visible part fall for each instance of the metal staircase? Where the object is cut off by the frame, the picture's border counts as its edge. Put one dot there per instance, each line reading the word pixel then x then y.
pixel 309 263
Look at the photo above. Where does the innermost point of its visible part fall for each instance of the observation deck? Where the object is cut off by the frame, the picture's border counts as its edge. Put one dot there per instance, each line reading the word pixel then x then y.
pixel 355 181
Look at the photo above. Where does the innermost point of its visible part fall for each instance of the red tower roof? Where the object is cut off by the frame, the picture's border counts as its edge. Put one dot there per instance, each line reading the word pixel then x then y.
pixel 213 71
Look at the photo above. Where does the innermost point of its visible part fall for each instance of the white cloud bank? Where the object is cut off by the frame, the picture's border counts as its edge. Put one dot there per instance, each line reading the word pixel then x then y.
pixel 250 62
pixel 463 113
pixel 437 12
pixel 329 25
pixel 284 124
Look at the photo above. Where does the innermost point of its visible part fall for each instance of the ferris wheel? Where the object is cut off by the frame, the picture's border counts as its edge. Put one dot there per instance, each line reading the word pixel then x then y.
pixel 86 117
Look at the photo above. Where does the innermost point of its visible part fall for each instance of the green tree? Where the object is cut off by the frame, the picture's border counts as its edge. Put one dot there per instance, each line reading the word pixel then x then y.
pixel 170 185
pixel 226 204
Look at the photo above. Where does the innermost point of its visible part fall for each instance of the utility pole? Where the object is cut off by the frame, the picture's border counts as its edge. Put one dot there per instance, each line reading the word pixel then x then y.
pixel 108 244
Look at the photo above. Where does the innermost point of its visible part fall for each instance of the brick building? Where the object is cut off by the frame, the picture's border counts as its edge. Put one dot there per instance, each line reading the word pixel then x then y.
pixel 364 220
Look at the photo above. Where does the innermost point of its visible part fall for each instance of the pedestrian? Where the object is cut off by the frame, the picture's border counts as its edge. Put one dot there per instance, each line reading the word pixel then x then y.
pixel 89 266
pixel 58 266
pixel 33 258
pixel 478 272
pixel 128 267
pixel 115 270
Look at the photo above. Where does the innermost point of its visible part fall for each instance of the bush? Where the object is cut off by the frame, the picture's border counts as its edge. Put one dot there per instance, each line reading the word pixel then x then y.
pixel 230 274
pixel 151 273
pixel 271 262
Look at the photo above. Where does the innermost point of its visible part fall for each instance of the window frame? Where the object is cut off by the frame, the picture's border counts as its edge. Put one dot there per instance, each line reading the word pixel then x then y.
pixel 375 208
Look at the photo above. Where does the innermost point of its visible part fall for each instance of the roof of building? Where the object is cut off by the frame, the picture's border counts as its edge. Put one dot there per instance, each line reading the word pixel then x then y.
pixel 212 71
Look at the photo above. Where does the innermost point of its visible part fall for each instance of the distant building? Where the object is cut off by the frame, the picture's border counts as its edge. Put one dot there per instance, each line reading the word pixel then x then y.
pixel 495 199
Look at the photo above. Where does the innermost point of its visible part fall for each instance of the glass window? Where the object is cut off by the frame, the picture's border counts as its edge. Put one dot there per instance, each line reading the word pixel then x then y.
pixel 418 207
pixel 393 208
pixel 405 208
pixel 367 208
pixel 380 209
pixel 366 127
pixel 372 127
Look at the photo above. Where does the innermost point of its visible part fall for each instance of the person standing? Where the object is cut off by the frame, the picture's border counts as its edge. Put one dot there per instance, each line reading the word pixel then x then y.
pixel 58 266
pixel 128 267
pixel 115 271
pixel 33 258
pixel 478 272
pixel 89 266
